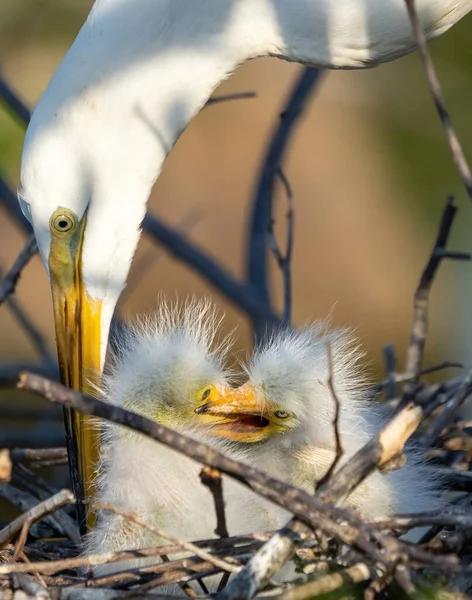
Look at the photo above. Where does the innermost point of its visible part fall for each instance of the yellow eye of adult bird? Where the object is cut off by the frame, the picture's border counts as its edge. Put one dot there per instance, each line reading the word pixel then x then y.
pixel 137 73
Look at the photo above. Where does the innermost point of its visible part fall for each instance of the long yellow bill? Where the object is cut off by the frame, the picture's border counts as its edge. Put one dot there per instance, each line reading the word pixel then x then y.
pixel 77 319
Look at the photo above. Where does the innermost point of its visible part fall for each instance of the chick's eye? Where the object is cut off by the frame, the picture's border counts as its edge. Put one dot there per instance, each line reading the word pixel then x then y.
pixel 206 393
pixel 281 414
pixel 63 221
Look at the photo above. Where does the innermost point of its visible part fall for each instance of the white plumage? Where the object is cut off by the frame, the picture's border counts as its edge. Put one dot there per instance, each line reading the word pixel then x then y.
pixel 137 73
pixel 166 364
pixel 288 387
pixel 279 421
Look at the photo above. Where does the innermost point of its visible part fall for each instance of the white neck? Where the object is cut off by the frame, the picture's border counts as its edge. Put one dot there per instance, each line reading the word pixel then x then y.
pixel 150 65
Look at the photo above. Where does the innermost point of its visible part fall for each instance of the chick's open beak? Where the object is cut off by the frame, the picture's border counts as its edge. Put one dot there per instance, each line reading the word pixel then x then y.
pixel 237 414
pixel 77 320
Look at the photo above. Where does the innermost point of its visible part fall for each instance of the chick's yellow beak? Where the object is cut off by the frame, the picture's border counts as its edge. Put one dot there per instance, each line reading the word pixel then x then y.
pixel 237 414
pixel 77 319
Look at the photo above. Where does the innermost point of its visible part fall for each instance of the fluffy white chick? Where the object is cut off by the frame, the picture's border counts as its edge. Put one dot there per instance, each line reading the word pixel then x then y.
pixel 165 369
pixel 286 411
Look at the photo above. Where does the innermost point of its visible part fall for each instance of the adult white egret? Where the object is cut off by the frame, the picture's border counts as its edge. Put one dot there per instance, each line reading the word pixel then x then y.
pixel 137 73
pixel 293 408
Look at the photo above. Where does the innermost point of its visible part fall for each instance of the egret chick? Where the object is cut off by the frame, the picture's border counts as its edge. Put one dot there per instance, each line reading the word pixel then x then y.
pixel 165 370
pixel 286 412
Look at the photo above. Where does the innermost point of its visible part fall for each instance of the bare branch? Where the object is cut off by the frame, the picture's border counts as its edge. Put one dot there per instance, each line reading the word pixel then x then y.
pixel 433 81
pixel 212 479
pixel 256 260
pixel 37 512
pixel 337 407
pixel 284 260
pixel 221 564
pixel 419 330
pixel 10 280
pixel 230 97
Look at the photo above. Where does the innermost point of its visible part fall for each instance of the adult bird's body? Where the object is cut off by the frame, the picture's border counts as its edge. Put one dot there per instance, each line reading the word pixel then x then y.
pixel 137 73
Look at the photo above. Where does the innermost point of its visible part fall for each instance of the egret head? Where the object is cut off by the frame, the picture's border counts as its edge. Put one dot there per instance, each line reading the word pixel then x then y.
pixel 287 392
pixel 168 366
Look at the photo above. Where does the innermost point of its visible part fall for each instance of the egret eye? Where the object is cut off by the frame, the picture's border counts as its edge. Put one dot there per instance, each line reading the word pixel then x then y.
pixel 63 221
pixel 281 414
pixel 206 393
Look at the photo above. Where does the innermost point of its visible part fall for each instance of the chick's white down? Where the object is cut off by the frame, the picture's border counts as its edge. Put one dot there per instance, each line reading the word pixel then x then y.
pixel 290 372
pixel 162 367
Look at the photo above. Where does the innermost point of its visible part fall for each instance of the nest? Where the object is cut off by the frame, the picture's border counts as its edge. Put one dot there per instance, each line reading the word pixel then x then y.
pixel 335 550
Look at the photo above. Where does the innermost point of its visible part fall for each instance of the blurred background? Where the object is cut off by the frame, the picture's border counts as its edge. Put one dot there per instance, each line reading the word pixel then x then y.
pixel 369 169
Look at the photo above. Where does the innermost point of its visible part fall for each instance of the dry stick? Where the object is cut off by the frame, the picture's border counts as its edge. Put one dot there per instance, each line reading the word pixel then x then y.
pixel 256 261
pixel 284 260
pixel 337 408
pixel 55 566
pixel 37 512
pixel 403 378
pixel 422 520
pixel 230 97
pixel 275 553
pixel 390 365
pixel 414 357
pixel 10 280
pixel 212 479
pixel 312 510
pixel 356 574
pixel 450 410
pixel 38 454
pixel 433 81
pixel 206 556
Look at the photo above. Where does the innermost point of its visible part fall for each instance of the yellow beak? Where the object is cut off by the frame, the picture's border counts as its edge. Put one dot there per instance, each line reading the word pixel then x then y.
pixel 238 415
pixel 77 319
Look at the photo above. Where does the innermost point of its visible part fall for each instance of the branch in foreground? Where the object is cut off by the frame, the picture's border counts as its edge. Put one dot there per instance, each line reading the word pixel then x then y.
pixel 221 564
pixel 312 510
pixel 454 144
pixel 275 553
pixel 37 512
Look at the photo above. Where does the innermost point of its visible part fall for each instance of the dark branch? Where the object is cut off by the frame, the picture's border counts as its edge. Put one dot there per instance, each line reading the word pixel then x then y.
pixel 256 260
pixel 453 141
pixel 414 357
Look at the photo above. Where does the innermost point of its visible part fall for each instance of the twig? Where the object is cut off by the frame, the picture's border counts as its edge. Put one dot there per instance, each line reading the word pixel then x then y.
pixel 390 366
pixel 35 454
pixel 403 378
pixel 37 512
pixel 337 408
pixel 34 334
pixel 277 551
pixel 433 81
pixel 212 479
pixel 256 260
pixel 12 100
pixel 229 97
pixel 422 520
pixel 206 556
pixel 10 280
pixel 419 329
pixel 312 510
pixel 55 566
pixel 284 260
pixel 329 583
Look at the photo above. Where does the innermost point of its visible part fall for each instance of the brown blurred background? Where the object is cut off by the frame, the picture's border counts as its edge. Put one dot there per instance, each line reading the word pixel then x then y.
pixel 370 173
